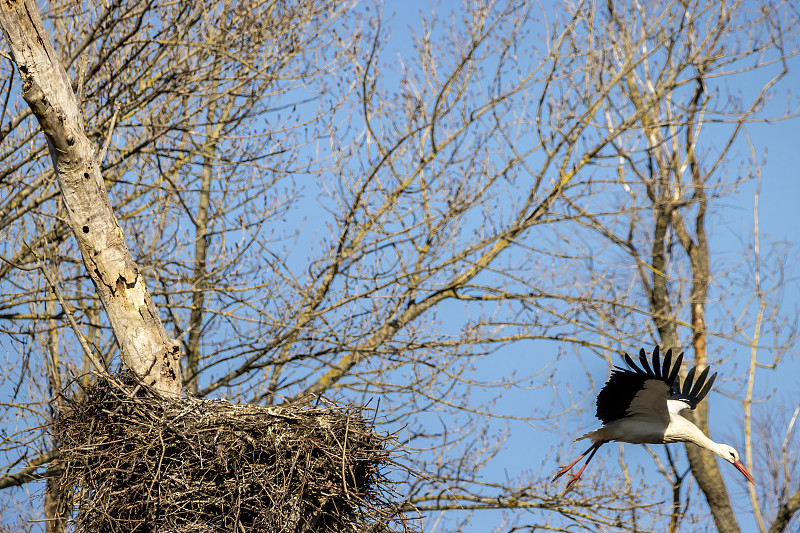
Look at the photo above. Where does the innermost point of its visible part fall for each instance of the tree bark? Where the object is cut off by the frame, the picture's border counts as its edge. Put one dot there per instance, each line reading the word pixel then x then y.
pixel 144 345
pixel 702 462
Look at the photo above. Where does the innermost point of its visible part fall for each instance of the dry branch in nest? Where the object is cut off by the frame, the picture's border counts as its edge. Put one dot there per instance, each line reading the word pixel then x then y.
pixel 135 462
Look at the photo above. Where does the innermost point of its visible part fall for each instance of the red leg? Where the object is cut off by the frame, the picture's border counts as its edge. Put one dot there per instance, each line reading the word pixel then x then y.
pixel 564 469
pixel 577 476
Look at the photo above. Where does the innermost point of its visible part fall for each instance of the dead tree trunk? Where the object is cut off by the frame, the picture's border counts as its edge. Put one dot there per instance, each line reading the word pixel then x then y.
pixel 144 344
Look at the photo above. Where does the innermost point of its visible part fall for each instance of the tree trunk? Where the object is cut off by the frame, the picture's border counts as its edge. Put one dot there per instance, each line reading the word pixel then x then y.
pixel 144 345
pixel 702 462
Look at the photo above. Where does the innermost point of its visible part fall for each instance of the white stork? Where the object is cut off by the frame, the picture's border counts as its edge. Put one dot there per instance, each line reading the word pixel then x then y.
pixel 642 406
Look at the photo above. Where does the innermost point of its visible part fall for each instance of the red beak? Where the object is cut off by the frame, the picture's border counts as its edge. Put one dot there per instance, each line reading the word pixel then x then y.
pixel 740 467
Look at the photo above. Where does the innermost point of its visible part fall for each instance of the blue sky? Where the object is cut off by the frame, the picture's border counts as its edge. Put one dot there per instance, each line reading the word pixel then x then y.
pixel 530 446
pixel 528 450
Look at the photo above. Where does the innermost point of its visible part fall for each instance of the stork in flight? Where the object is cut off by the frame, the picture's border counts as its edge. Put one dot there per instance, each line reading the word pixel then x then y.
pixel 643 405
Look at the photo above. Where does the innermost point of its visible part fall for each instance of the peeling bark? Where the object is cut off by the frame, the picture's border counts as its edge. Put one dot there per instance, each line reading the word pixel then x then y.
pixel 144 344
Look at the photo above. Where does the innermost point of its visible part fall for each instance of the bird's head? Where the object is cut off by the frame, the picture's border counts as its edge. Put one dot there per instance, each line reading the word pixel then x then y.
pixel 730 455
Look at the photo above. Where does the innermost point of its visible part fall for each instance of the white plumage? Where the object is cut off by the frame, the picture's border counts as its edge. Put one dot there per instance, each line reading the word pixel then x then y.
pixel 643 405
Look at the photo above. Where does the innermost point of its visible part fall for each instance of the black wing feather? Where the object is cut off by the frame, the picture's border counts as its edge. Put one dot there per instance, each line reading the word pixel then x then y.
pixel 693 390
pixel 699 382
pixel 673 376
pixel 676 387
pixel 645 364
pixel 657 364
pixel 624 383
pixel 705 390
pixel 618 393
pixel 687 384
pixel 631 364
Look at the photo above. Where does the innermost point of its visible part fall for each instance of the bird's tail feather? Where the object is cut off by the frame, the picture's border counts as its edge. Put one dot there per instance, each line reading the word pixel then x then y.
pixel 591 435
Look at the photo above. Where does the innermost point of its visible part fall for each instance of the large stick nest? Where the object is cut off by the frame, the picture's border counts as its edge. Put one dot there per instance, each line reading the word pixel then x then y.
pixel 135 462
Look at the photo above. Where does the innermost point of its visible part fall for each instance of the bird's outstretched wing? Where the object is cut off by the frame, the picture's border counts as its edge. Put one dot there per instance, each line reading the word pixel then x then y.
pixel 694 389
pixel 644 391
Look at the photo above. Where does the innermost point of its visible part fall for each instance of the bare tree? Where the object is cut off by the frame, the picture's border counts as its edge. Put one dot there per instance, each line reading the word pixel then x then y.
pixel 316 220
pixel 166 71
pixel 145 348
pixel 672 177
